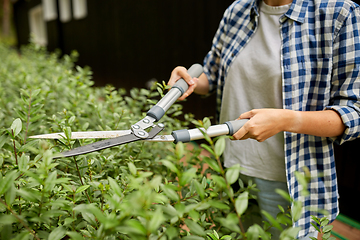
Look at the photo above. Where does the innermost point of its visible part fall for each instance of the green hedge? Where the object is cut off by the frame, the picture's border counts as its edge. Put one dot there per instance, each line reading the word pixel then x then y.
pixel 134 191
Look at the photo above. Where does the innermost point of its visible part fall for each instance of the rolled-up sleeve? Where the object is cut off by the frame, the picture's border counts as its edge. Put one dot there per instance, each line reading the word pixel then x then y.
pixel 345 92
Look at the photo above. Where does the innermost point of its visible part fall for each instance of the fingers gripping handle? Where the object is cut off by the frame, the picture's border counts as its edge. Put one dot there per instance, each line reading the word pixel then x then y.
pixel 194 71
pixel 173 94
pixel 228 128
pixel 235 125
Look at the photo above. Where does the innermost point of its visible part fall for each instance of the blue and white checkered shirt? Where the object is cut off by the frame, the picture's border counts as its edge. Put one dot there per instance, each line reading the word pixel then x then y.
pixel 320 61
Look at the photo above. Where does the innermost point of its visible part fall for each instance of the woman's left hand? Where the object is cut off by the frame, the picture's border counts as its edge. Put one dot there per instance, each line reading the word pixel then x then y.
pixel 263 123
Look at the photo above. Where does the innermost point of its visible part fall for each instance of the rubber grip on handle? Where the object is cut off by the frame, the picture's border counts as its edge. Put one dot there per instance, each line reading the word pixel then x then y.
pixel 194 71
pixel 181 136
pixel 235 125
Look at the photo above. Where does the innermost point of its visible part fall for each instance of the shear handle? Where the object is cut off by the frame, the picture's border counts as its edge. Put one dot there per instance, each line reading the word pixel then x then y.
pixel 228 128
pixel 158 111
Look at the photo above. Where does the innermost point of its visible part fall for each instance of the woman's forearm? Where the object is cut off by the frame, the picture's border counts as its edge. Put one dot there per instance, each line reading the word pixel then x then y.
pixel 326 123
pixel 202 87
pixel 265 123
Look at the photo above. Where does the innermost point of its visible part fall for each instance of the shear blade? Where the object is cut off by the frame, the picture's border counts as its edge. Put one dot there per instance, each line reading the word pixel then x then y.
pixel 96 146
pixel 85 135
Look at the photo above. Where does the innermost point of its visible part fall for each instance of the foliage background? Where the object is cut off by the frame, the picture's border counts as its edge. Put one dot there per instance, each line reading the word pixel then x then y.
pixel 134 191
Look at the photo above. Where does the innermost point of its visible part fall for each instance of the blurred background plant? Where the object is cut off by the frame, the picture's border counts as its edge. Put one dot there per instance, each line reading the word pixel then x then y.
pixel 7 32
pixel 135 191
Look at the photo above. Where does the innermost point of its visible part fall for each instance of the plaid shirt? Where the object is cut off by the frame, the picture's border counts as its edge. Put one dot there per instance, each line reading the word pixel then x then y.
pixel 320 57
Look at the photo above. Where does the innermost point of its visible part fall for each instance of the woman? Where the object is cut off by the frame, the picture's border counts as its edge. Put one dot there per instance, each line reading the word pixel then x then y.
pixel 292 69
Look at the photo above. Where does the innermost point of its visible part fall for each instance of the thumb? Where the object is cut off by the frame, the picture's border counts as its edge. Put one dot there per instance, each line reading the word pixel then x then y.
pixel 247 115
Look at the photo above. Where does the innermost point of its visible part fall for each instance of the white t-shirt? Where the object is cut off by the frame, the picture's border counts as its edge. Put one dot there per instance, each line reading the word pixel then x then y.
pixel 254 81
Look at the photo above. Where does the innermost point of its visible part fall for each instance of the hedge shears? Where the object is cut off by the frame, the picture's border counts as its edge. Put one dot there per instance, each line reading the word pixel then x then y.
pixel 139 131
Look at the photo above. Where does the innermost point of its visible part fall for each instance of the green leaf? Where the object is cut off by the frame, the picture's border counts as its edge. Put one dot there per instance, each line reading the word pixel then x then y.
pixel 135 226
pixel 220 146
pixel 75 235
pixel 67 131
pixel 241 203
pixel 194 227
pixel 206 122
pixel 324 222
pixel 272 220
pixel 187 176
pixel 213 164
pixel 170 193
pixel 199 189
pixel 82 188
pixel 214 235
pixel 253 232
pixel 30 146
pixel 219 181
pixel 194 215
pixel 226 237
pixel 232 174
pixel 71 120
pixel 231 222
pixel 180 150
pixel 3 139
pixel 284 194
pixel 7 219
pixel 156 220
pixel 296 210
pixel 192 238
pixel 172 232
pixel 315 226
pixel 326 235
pixel 6 182
pixel 10 194
pixel 35 93
pixel 89 217
pixel 303 182
pixel 28 194
pixel 16 127
pixel 57 234
pixel 218 205
pixel 327 228
pixel 208 148
pixel 115 187
pixel 170 166
pixel 132 168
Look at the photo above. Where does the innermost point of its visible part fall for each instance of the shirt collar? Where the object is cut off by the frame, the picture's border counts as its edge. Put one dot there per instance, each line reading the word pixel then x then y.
pixel 255 8
pixel 296 11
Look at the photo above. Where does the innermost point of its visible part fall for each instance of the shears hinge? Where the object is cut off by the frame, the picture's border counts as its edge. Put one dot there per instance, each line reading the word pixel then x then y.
pixel 138 128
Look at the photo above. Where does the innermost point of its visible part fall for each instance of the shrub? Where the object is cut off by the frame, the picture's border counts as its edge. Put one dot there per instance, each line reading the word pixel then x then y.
pixel 139 190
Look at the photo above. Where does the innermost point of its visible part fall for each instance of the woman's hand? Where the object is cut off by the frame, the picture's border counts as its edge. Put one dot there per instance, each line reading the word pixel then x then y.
pixel 262 124
pixel 181 72
pixel 265 123
pixel 198 85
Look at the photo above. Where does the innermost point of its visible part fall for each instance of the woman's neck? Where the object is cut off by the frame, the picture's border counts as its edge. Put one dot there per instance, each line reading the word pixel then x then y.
pixel 277 2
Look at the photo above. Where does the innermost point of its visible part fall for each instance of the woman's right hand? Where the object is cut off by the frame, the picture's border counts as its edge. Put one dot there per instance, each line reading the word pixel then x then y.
pixel 181 72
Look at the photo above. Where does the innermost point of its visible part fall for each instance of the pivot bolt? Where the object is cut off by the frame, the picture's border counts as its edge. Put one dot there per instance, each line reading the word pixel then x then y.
pixel 141 133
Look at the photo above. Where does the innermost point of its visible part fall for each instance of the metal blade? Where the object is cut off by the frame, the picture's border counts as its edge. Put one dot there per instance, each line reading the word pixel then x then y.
pixel 96 146
pixel 85 135
pixel 161 138
pixel 108 143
